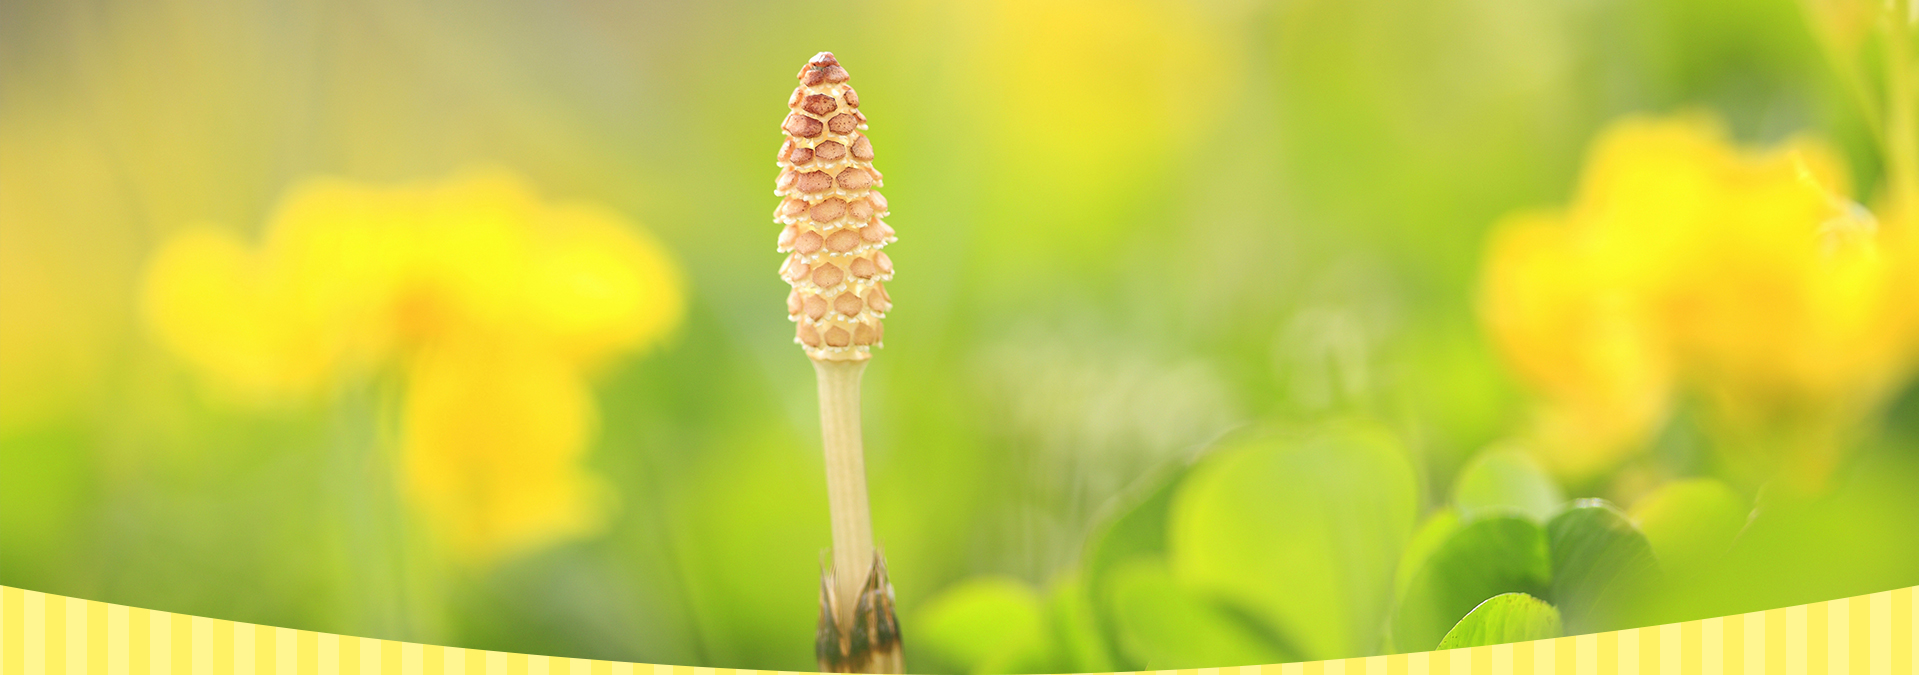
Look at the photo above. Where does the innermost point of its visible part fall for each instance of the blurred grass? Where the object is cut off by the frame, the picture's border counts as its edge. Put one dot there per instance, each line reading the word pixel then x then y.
pixel 1126 228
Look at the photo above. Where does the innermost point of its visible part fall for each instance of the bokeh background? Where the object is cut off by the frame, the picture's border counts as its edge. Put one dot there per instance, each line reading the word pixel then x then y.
pixel 1127 229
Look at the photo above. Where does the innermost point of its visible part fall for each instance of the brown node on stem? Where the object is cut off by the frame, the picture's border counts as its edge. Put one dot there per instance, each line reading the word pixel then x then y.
pixel 871 644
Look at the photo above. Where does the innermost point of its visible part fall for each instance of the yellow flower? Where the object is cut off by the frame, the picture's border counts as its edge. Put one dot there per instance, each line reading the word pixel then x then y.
pixel 494 429
pixel 492 305
pixel 1685 263
pixel 1587 349
pixel 297 313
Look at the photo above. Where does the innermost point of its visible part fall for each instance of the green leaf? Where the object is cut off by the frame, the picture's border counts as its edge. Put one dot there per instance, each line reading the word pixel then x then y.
pixel 1599 558
pixel 1301 531
pixel 1077 629
pixel 1505 481
pixel 1431 534
pixel 1134 524
pixel 1133 527
pixel 1691 523
pixel 1512 617
pixel 986 625
pixel 1485 558
pixel 1163 626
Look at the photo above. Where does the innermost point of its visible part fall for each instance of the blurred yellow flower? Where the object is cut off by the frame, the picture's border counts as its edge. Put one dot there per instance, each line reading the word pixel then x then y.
pixel 492 305
pixel 1587 350
pixel 1686 264
pixel 494 429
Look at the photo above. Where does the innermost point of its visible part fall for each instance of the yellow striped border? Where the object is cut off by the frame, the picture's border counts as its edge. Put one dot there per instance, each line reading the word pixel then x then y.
pixel 51 634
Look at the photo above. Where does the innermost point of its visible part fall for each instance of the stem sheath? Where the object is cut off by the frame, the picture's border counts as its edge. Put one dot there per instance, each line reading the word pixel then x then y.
pixel 845 480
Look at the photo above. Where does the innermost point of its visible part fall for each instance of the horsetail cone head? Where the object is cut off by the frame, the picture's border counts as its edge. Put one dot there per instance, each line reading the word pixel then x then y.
pixel 832 212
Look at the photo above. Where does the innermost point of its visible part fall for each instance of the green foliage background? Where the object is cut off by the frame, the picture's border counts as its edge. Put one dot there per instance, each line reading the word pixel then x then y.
pixel 1184 368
